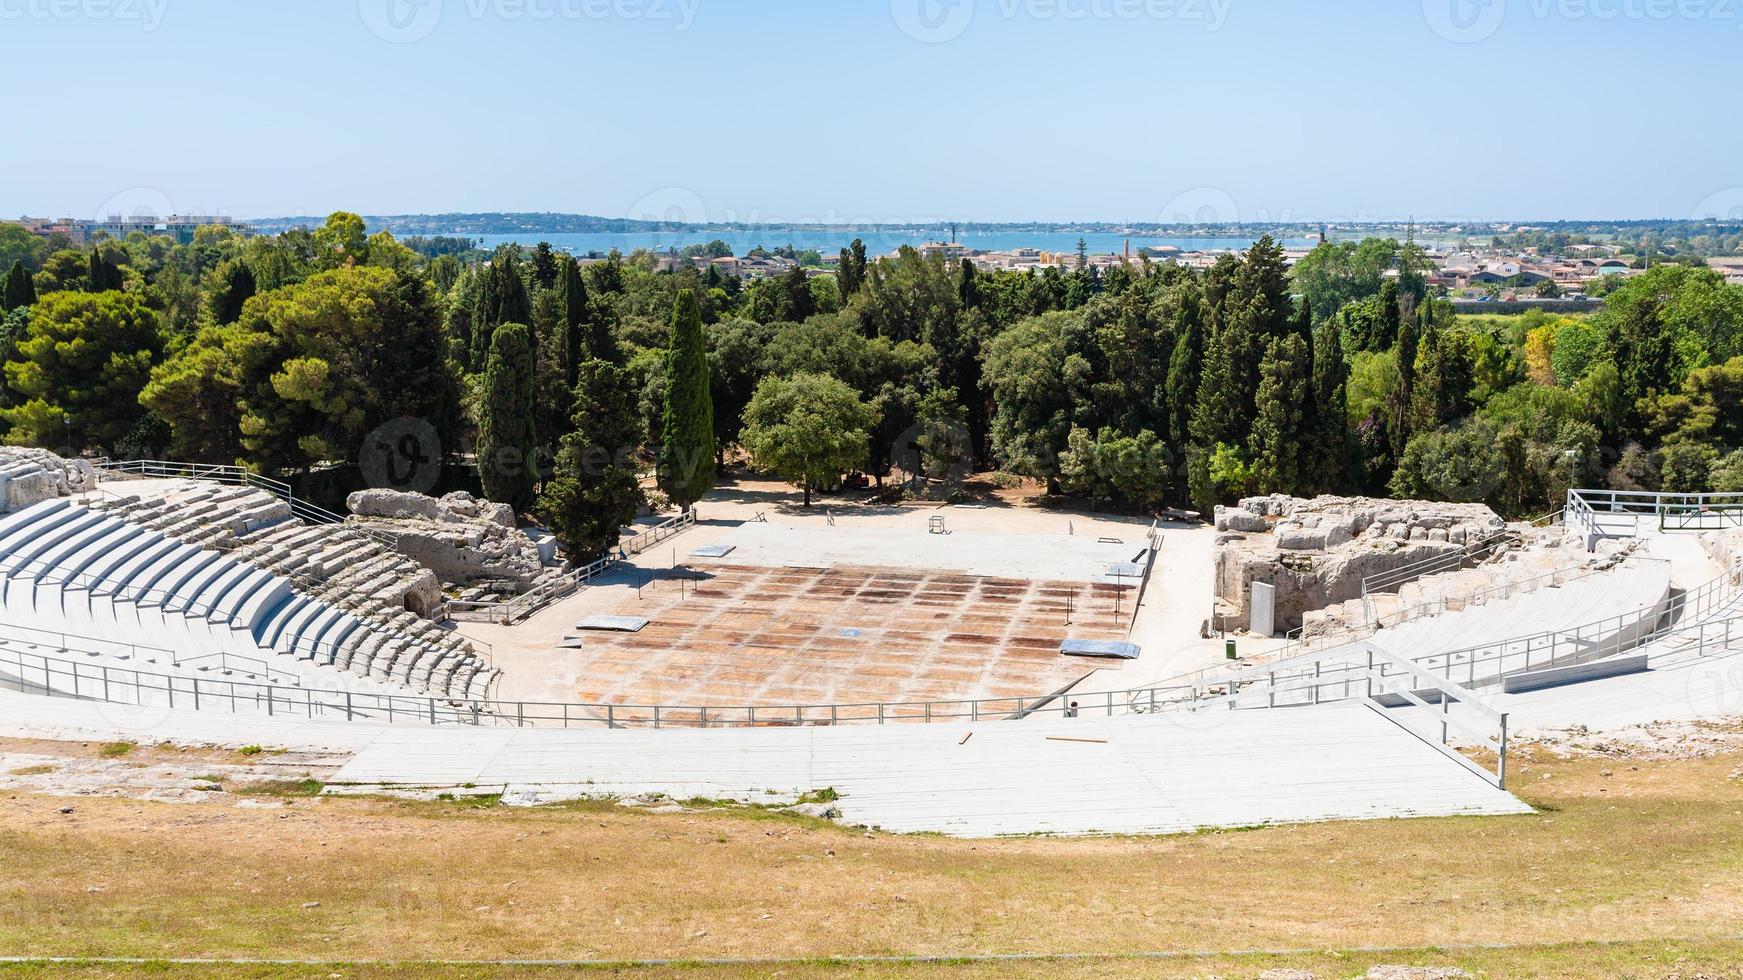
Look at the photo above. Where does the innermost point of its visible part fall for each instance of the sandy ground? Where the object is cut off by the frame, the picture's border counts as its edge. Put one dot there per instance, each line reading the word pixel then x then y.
pixel 1166 627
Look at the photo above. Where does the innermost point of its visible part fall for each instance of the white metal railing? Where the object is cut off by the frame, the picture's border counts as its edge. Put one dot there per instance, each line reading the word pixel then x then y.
pixel 513 610
pixel 37 674
pixel 1491 663
pixel 239 476
pixel 1553 578
pixel 1670 511
pixel 123 650
pixel 1392 686
pixel 41 571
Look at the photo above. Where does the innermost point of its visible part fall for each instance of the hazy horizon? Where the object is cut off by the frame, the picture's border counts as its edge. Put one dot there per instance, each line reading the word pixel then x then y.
pixel 892 112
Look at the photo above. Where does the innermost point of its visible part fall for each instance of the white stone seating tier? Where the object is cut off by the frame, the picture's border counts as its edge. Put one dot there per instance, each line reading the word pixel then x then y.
pixel 1610 609
pixel 173 572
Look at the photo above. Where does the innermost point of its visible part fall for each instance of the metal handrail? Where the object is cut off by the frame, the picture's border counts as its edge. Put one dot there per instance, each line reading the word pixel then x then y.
pixel 65 641
pixel 189 608
pixel 1525 586
pixel 513 610
pixel 239 476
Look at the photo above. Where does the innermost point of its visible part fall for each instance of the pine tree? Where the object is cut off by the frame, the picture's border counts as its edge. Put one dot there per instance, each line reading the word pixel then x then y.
pixel 507 442
pixel 686 463
pixel 19 288
pixel 1280 435
pixel 235 286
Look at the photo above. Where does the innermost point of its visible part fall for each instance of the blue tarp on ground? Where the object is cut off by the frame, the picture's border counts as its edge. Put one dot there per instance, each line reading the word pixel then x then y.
pixel 1099 648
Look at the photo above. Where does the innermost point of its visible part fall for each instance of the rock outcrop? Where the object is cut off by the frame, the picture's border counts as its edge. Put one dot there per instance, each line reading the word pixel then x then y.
pixel 30 476
pixel 463 540
pixel 1317 552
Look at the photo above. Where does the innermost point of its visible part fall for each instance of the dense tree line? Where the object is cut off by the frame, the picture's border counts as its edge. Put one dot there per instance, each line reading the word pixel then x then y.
pixel 569 382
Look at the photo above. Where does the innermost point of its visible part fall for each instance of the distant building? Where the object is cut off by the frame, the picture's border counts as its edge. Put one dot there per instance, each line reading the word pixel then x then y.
pixel 180 227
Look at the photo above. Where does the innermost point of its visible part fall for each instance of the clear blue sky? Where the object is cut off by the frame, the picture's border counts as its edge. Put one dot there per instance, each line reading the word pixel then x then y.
pixel 897 110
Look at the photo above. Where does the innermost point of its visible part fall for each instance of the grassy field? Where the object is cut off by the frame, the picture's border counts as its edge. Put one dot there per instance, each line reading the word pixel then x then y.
pixel 1630 868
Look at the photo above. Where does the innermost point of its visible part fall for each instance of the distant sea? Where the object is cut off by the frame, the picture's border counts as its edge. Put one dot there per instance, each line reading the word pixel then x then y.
pixel 830 241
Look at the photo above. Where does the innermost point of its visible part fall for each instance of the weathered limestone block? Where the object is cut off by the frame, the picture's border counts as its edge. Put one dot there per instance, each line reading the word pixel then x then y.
pixel 460 538
pixel 30 476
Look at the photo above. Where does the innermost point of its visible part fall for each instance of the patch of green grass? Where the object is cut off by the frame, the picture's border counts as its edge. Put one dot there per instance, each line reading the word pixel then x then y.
pixel 42 770
pixel 281 787
pixel 115 750
pixel 825 795
pixel 250 750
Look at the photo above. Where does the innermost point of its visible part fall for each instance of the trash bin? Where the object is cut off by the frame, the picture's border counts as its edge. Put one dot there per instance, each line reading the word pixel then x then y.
pixel 1229 649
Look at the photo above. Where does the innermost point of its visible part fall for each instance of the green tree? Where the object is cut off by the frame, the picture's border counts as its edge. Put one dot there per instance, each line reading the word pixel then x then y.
pixel 507 442
pixel 308 371
pixel 18 289
pixel 594 490
pixel 576 337
pixel 103 274
pixel 1280 433
pixel 1726 475
pixel 1329 449
pixel 1687 467
pixel 850 274
pixel 76 374
pixel 686 463
pixel 808 429
pixel 231 286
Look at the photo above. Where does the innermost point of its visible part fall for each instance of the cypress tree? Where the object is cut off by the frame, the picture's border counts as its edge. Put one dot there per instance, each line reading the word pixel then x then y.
pixel 1184 363
pixel 19 289
pixel 968 285
pixel 507 442
pixel 686 463
pixel 1400 419
pixel 1279 431
pixel 575 320
pixel 850 274
pixel 1331 374
pixel 1386 332
pixel 594 491
pixel 103 275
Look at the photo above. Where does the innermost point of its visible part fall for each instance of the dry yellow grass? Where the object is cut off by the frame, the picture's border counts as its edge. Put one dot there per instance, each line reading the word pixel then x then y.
pixel 1645 860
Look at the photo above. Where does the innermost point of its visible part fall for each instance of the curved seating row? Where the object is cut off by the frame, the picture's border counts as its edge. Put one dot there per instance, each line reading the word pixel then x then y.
pixel 95 572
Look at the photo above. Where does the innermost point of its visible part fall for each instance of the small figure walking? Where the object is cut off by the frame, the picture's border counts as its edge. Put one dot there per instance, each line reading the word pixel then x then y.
pixel 1071 712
